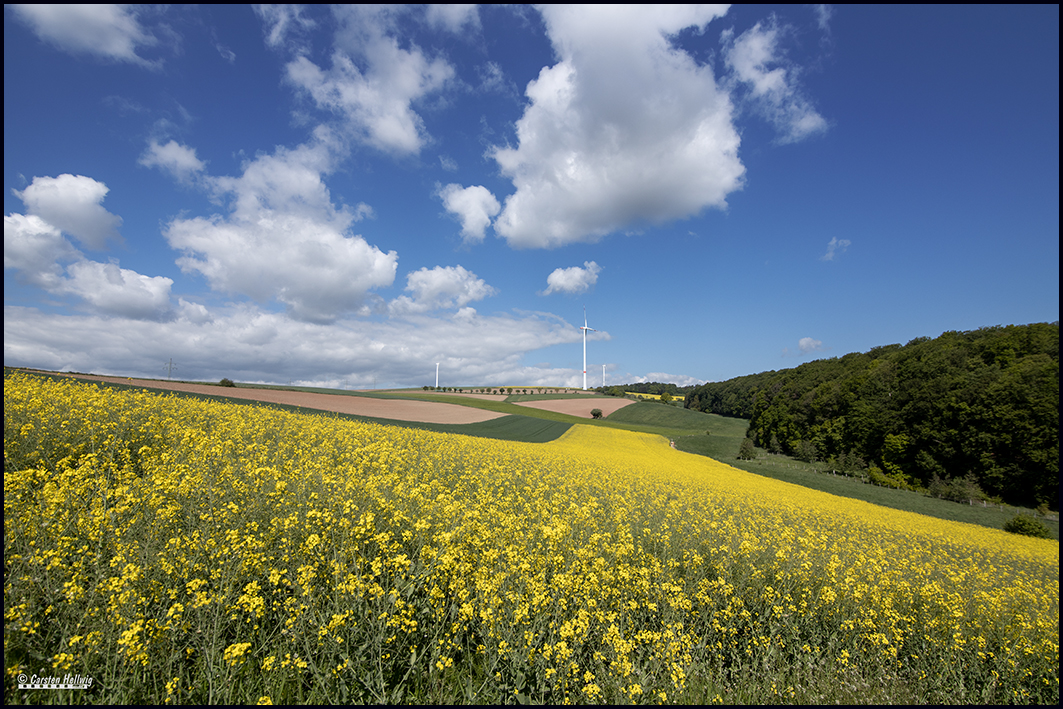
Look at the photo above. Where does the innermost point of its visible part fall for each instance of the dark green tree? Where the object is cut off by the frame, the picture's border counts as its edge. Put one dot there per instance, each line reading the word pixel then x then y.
pixel 747 451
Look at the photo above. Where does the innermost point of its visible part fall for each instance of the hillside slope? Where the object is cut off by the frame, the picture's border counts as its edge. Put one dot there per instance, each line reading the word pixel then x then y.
pixel 981 405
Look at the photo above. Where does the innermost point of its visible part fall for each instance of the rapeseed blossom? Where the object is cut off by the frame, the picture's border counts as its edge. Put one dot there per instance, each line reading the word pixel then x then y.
pixel 228 553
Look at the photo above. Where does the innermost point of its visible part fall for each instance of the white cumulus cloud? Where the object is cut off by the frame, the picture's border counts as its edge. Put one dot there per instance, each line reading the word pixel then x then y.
pixel 475 206
pixel 625 128
pixel 37 250
pixel 284 239
pixel 33 248
pixel 441 287
pixel 807 345
pixel 179 160
pixel 73 204
pixel 572 280
pixel 119 291
pixel 373 82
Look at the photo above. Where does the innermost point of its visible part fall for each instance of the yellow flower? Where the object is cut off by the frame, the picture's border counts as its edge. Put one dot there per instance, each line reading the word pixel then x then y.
pixel 233 654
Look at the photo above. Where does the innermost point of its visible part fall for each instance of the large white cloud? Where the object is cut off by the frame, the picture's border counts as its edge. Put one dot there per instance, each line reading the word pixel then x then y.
pixel 119 291
pixel 625 128
pixel 37 250
pixel 373 82
pixel 441 287
pixel 475 206
pixel 33 248
pixel 73 204
pixel 108 31
pixel 572 280
pixel 247 344
pixel 284 239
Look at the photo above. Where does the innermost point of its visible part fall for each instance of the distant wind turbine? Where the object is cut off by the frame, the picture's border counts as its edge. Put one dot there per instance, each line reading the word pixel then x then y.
pixel 585 330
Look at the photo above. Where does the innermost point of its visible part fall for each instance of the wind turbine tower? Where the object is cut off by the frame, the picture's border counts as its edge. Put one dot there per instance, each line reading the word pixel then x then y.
pixel 585 330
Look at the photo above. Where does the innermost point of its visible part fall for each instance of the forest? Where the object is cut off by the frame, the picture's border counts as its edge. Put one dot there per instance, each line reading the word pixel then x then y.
pixel 973 410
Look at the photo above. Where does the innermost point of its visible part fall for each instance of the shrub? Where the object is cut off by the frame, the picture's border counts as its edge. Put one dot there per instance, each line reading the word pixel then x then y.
pixel 1028 526
pixel 876 477
pixel 226 382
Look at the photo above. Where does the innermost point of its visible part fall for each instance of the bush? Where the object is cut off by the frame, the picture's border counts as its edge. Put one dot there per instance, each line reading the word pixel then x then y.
pixel 596 413
pixel 1028 526
pixel 876 477
pixel 226 382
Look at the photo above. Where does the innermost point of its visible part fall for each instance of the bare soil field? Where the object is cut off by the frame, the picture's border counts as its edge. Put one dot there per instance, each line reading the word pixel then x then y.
pixel 578 407
pixel 396 409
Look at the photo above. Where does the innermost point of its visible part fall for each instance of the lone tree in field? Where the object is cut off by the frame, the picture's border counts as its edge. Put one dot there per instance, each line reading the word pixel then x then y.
pixel 747 451
pixel 596 413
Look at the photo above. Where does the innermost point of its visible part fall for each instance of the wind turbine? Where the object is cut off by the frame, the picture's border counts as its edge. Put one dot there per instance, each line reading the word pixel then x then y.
pixel 585 330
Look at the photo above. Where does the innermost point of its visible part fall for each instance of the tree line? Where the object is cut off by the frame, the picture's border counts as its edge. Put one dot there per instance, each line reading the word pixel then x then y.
pixel 657 388
pixel 975 410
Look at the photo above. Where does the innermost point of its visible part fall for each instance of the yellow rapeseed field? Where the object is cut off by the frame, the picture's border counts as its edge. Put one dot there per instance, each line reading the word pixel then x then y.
pixel 185 551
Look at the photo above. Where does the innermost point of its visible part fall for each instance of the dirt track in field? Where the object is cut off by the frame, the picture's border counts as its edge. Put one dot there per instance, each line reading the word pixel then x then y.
pixel 395 409
pixel 578 407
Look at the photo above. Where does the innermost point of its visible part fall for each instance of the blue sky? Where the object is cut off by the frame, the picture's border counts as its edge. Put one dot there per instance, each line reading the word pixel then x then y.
pixel 345 197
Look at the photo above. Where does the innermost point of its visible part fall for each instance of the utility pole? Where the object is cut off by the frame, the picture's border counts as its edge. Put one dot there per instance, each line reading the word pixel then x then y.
pixel 169 366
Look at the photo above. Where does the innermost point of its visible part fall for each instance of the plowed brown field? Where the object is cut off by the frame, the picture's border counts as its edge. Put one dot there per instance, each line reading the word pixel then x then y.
pixel 578 407
pixel 395 409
